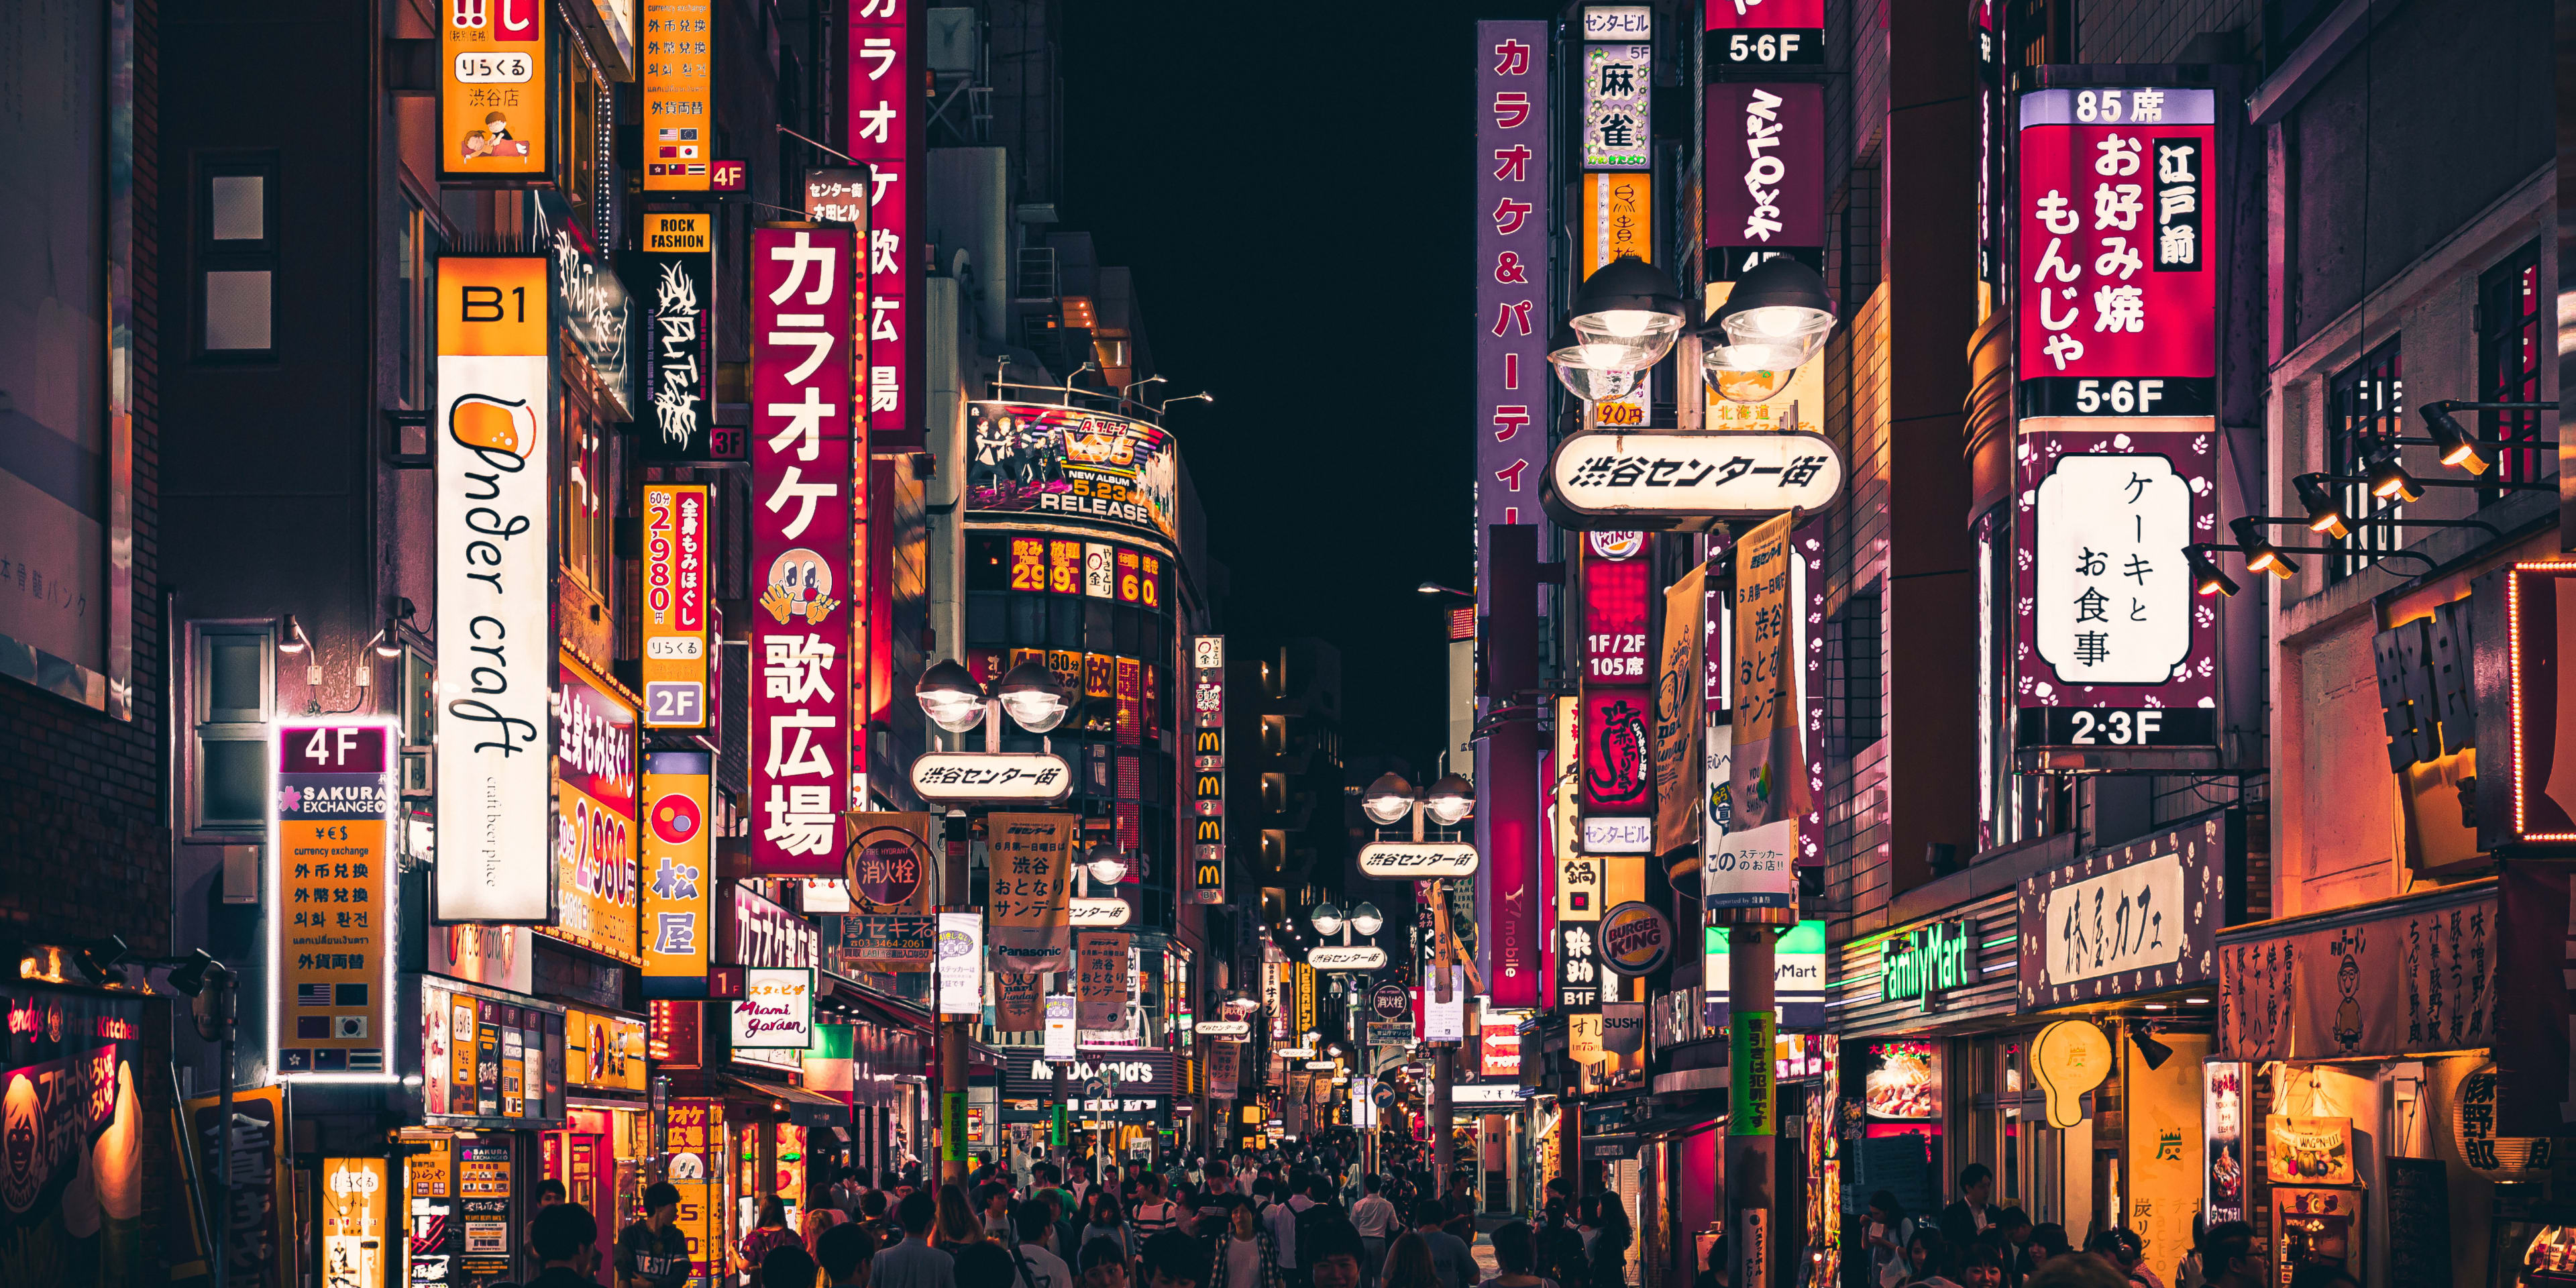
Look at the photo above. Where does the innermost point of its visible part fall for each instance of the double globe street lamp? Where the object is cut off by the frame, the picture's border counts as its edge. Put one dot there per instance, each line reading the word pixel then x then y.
pixel 1627 316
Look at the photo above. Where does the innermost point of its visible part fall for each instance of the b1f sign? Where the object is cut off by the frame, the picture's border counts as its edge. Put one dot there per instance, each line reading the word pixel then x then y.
pixel 495 590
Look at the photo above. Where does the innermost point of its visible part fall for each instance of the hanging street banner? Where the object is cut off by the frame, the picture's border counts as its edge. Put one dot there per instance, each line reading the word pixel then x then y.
pixel 494 769
pixel 1677 716
pixel 1663 481
pixel 1030 858
pixel 887 868
pixel 331 871
pixel 802 551
pixel 2116 465
pixel 1753 866
pixel 1101 980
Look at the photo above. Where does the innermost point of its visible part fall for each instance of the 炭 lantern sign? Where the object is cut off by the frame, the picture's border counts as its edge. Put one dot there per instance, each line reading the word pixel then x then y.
pixel 801 475
pixel 2116 466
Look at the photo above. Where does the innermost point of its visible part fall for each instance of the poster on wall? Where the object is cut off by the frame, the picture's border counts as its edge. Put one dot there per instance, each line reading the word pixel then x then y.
pixel 72 1188
pixel 495 508
pixel 1030 858
pixel 2165 1149
pixel 331 866
pixel 2224 1086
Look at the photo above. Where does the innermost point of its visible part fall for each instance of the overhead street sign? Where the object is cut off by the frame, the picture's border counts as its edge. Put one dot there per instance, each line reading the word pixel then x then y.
pixel 1662 480
pixel 1411 860
pixel 972 777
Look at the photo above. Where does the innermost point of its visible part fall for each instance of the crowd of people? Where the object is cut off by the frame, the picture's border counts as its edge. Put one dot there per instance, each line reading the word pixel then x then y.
pixel 1974 1244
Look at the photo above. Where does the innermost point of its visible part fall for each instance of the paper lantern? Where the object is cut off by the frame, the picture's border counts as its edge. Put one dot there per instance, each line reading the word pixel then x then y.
pixel 2473 1129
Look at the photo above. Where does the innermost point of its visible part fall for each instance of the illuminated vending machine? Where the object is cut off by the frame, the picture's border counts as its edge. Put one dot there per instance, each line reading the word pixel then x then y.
pixel 2317 1201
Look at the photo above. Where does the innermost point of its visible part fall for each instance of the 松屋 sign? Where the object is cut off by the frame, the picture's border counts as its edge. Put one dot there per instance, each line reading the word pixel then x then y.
pixel 495 509
pixel 1920 964
pixel 1408 860
pixel 1659 480
pixel 775 1011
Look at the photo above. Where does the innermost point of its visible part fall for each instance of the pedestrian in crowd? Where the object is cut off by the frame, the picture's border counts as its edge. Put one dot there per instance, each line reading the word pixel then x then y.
pixel 846 1252
pixel 549 1192
pixel 787 1264
pixel 767 1234
pixel 846 1192
pixel 1332 1254
pixel 1410 1264
pixel 654 1252
pixel 1175 1260
pixel 1982 1266
pixel 2047 1243
pixel 1104 1263
pixel 1927 1259
pixel 2082 1270
pixel 958 1224
pixel 565 1241
pixel 1374 1217
pixel 1515 1259
pixel 1974 1209
pixel 2011 1236
pixel 814 1222
pixel 1451 1260
pixel 1246 1257
pixel 2226 1252
pixel 993 1200
pixel 1153 1214
pixel 2128 1253
pixel 1719 1272
pixel 914 1263
pixel 1609 1252
pixel 1282 1220
pixel 874 1209
pixel 985 1264
pixel 1106 1221
pixel 1034 1221
pixel 1883 1234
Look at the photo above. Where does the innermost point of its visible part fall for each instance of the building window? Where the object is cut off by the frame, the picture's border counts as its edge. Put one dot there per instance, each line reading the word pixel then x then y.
pixel 233 676
pixel 236 238
pixel 412 336
pixel 2510 344
pixel 1852 672
pixel 2367 407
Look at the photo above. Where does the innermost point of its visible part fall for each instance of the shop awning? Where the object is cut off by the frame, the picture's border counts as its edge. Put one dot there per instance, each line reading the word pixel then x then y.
pixel 2384 980
pixel 803 1107
pixel 877 1008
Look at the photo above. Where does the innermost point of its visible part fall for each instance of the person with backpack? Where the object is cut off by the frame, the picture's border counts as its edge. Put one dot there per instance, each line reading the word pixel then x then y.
pixel 1152 1213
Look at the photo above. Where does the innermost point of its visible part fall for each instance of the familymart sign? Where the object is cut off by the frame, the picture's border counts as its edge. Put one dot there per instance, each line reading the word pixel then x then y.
pixel 1924 962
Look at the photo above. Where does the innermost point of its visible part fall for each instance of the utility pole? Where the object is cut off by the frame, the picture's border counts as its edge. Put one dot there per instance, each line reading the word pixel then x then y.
pixel 952 1031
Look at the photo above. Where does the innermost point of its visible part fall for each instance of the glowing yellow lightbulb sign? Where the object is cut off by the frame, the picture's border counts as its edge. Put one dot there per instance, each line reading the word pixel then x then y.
pixel 2071 1057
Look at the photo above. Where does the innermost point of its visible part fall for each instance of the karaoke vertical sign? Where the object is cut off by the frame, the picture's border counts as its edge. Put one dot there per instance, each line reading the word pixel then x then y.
pixel 885 133
pixel 1511 272
pixel 801 546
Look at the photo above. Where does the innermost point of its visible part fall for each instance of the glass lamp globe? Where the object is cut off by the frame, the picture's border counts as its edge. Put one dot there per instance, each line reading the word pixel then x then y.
pixel 1326 918
pixel 1592 372
pixel 1108 867
pixel 1365 919
pixel 1387 800
pixel 1747 373
pixel 1450 800
pixel 1033 697
pixel 950 696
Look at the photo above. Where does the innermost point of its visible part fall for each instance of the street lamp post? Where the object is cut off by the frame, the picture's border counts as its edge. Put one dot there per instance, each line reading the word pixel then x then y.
pixel 1030 695
pixel 1386 802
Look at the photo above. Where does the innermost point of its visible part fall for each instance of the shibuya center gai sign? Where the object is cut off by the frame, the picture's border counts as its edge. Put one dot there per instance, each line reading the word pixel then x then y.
pixel 1639 478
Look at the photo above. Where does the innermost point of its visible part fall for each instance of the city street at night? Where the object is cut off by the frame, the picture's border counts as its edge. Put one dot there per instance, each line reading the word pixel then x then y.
pixel 1153 644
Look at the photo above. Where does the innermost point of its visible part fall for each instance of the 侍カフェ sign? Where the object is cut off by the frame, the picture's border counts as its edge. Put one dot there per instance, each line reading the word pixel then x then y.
pixel 1923 963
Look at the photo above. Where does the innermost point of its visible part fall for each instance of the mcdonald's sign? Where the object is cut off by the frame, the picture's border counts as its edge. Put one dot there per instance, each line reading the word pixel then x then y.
pixel 1207 702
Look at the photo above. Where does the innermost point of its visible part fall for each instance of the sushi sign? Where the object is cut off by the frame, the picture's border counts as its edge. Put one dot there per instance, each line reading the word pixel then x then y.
pixel 1921 963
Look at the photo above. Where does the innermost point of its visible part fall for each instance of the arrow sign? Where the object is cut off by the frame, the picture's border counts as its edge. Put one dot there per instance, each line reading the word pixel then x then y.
pixel 1638 479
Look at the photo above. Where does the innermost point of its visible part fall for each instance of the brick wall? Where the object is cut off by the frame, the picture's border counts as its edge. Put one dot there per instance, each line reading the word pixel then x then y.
pixel 84 842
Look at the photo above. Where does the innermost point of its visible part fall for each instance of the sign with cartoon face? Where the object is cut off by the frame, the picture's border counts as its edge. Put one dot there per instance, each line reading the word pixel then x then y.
pixel 495 91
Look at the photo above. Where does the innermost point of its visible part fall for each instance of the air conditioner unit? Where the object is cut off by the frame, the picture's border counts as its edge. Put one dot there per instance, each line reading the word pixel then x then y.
pixel 952 41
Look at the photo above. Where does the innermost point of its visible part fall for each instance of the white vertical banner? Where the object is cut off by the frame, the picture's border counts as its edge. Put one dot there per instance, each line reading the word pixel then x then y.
pixel 495 769
pixel 961 963
pixel 1059 1026
pixel 1444 1021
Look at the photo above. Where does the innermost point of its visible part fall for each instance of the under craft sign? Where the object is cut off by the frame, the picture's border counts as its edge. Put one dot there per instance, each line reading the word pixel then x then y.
pixel 1638 478
pixel 1416 859
pixel 1921 963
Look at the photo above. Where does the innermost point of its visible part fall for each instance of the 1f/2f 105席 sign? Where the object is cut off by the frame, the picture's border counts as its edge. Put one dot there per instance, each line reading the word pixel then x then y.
pixel 1665 480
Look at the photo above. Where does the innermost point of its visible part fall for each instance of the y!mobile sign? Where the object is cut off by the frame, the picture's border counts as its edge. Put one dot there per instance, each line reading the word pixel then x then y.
pixel 1511 272
pixel 495 593
pixel 801 473
pixel 885 133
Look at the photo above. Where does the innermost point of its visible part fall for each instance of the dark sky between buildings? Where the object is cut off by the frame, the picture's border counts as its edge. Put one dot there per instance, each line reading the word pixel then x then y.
pixel 1291 185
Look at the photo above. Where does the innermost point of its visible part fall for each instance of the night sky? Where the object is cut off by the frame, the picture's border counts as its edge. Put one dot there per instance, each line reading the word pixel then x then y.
pixel 1291 185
